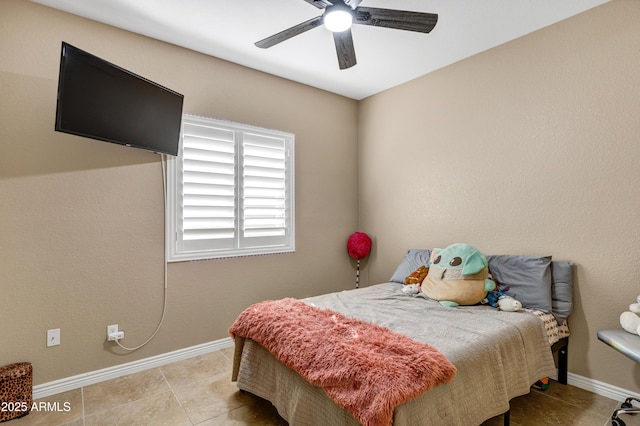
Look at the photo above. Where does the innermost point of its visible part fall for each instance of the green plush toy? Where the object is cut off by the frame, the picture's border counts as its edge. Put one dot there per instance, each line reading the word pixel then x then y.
pixel 458 275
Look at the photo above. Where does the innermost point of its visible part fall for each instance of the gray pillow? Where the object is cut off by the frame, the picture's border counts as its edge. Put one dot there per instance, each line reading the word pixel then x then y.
pixel 528 277
pixel 561 290
pixel 414 259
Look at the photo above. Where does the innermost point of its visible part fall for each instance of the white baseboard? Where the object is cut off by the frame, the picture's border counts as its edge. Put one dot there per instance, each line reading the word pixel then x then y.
pixel 600 388
pixel 75 382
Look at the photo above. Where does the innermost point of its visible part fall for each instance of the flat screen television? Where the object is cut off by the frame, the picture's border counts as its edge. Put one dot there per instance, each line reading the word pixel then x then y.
pixel 100 100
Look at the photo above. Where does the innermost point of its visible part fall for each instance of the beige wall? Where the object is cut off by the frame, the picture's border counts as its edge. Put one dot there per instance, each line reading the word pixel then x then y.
pixel 530 148
pixel 81 221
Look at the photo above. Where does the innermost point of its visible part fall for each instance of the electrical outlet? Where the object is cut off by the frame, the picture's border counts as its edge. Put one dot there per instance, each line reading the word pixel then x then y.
pixel 113 334
pixel 53 337
pixel 112 329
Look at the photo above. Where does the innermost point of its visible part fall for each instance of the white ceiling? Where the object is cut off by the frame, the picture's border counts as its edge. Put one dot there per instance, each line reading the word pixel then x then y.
pixel 386 57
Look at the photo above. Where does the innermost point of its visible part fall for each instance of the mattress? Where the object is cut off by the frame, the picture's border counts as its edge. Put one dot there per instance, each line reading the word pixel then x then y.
pixel 498 355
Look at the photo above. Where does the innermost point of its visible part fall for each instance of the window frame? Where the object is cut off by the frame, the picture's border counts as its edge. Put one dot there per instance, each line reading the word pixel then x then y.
pixel 175 250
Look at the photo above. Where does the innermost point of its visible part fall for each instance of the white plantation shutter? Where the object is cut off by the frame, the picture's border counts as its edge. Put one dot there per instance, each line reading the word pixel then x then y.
pixel 231 191
pixel 209 184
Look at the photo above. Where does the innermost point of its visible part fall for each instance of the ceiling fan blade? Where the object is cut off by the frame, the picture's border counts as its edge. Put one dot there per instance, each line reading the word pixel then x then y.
pixel 398 19
pixel 320 4
pixel 344 49
pixel 290 32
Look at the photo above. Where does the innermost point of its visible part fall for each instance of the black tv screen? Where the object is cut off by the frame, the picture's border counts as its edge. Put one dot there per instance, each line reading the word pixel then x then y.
pixel 100 100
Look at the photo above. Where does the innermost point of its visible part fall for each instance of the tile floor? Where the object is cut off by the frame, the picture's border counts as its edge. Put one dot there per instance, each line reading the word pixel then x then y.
pixel 198 391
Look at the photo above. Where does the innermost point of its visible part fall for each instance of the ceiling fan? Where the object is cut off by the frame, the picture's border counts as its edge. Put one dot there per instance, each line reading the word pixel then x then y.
pixel 338 17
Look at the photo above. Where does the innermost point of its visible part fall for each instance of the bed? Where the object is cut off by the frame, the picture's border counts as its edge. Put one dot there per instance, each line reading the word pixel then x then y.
pixel 497 355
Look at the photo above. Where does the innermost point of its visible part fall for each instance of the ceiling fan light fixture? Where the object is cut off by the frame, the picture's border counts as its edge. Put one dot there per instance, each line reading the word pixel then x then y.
pixel 337 19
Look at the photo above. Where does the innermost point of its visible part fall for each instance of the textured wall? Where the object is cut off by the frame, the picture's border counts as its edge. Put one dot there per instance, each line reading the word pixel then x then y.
pixel 82 221
pixel 529 148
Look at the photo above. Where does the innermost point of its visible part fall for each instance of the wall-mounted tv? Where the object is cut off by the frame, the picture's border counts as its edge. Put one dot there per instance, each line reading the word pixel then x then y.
pixel 100 100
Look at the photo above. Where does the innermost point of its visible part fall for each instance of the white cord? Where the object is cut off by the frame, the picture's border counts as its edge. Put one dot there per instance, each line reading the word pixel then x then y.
pixel 164 304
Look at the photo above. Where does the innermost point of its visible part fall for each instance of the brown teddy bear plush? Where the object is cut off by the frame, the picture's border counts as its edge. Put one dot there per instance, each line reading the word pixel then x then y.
pixel 417 276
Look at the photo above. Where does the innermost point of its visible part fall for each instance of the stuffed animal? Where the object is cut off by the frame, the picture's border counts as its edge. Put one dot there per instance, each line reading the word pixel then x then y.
pixel 498 298
pixel 417 276
pixel 509 304
pixel 412 282
pixel 493 296
pixel 630 320
pixel 411 288
pixel 458 275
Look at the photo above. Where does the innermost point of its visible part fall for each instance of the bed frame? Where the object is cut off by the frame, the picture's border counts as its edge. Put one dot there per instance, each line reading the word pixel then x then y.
pixel 561 347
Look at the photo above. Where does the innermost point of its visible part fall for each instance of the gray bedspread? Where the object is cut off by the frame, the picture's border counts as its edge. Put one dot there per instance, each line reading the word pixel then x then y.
pixel 498 356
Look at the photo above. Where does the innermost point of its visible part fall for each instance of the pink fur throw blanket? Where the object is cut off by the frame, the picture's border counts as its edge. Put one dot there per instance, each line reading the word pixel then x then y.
pixel 365 368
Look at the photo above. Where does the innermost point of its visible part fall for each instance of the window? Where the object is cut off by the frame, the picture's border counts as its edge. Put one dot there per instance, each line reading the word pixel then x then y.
pixel 230 191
